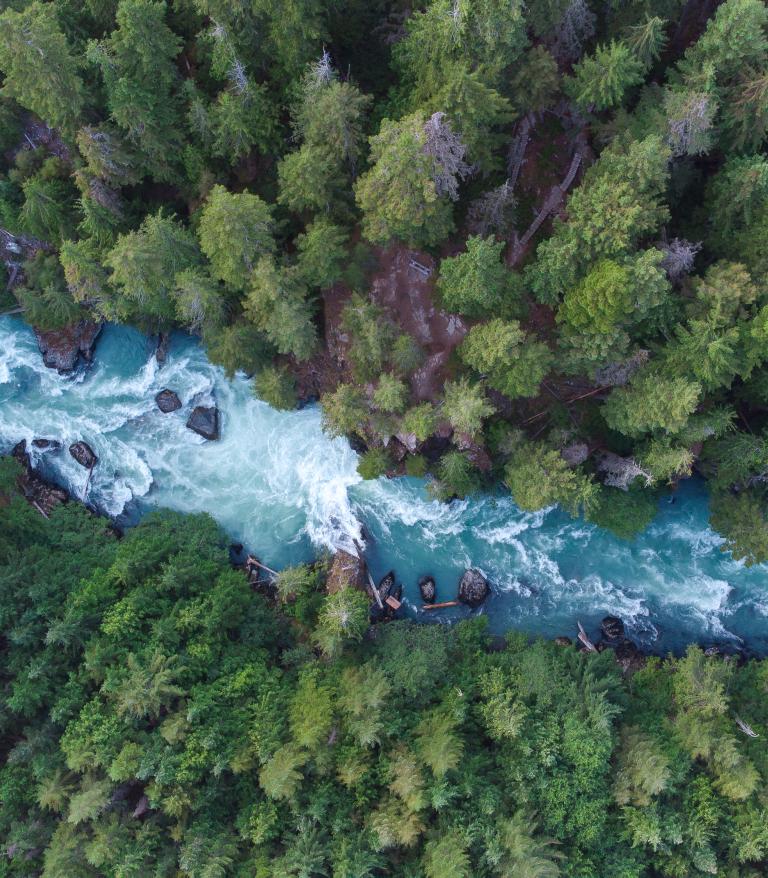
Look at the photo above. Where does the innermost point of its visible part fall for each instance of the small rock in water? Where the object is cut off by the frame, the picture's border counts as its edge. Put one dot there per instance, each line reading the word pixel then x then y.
pixel 47 444
pixel 161 351
pixel 473 588
pixel 612 628
pixel 167 401
pixel 562 640
pixel 204 421
pixel 428 589
pixel 83 454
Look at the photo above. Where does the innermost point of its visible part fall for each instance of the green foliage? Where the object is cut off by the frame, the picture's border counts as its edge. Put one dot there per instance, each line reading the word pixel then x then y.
pixel 343 410
pixel 144 266
pixel 374 463
pixel 398 195
pixel 391 394
pixel 651 402
pixel 276 386
pixel 149 664
pixel 235 231
pixel 277 304
pixel 465 406
pixel 540 477
pixel 456 477
pixel 40 68
pixel 600 80
pixel 137 64
pixel 511 362
pixel 743 520
pixel 624 513
pixel 474 282
pixel 343 618
pixel 321 253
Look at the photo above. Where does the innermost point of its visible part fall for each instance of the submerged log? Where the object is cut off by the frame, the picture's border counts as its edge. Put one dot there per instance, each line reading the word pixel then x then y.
pixel 441 605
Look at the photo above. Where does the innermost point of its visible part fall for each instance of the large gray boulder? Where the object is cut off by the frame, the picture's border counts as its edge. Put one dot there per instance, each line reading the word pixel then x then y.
pixel 204 421
pixel 167 401
pixel 83 454
pixel 473 588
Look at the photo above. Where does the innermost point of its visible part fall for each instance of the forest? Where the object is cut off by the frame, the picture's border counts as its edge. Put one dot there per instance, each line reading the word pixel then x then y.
pixel 161 717
pixel 502 242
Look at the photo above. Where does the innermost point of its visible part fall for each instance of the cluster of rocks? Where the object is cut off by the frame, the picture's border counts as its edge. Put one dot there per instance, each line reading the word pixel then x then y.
pixel 472 591
pixel 203 419
pixel 613 636
pixel 64 349
pixel 44 496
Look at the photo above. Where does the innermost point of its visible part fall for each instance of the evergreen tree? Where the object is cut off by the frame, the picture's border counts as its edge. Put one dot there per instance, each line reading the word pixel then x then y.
pixel 137 64
pixel 41 71
pixel 235 231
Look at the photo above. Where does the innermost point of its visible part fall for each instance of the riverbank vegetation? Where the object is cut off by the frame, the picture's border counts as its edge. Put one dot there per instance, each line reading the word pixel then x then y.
pixel 503 241
pixel 161 716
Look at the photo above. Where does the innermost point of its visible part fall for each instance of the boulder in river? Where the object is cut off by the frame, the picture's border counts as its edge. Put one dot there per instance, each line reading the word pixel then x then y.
pixel 63 348
pixel 83 454
pixel 562 640
pixel 612 628
pixel 473 588
pixel 204 421
pixel 167 401
pixel 47 444
pixel 427 589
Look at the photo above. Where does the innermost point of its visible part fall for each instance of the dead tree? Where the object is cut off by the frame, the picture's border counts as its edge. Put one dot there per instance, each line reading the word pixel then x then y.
pixel 492 212
pixel 447 153
pixel 679 256
pixel 575 28
pixel 620 472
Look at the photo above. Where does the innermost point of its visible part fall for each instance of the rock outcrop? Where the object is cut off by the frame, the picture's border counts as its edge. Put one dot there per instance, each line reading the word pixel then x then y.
pixel 44 496
pixel 427 589
pixel 204 421
pixel 347 571
pixel 83 454
pixel 473 588
pixel 167 401
pixel 62 349
pixel 612 628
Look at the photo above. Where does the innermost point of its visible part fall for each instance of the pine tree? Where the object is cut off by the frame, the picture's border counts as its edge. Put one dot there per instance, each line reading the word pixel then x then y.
pixel 141 81
pixel 235 231
pixel 41 70
pixel 511 362
pixel 474 282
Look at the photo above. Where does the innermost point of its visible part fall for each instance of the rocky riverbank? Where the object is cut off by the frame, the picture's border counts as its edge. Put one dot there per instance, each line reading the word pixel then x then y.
pixel 63 349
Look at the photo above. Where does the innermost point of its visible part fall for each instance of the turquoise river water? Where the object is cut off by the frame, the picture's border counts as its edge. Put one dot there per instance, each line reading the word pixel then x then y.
pixel 276 483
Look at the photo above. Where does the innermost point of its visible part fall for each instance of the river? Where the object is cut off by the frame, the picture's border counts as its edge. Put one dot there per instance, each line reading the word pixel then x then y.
pixel 276 483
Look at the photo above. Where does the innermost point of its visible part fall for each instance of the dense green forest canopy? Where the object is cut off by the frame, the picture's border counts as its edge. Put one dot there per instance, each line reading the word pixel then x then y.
pixel 581 186
pixel 161 717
